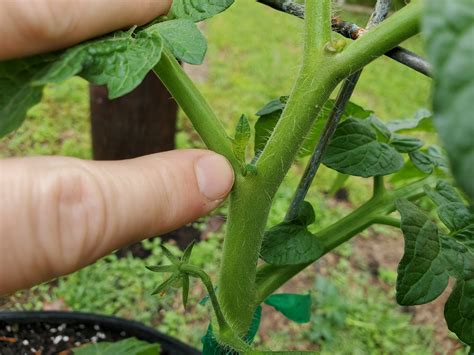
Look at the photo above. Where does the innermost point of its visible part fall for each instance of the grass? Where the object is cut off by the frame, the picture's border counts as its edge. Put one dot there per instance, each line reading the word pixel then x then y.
pixel 253 58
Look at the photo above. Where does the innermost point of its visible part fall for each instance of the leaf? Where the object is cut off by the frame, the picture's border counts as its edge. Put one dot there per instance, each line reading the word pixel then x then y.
pixel 423 121
pixel 459 311
pixel 169 255
pixel 292 306
pixel 380 127
pixel 185 279
pixel 451 209
pixel 305 216
pixel 188 251
pixel 405 144
pixel 197 10
pixel 443 194
pixel 422 161
pixel 421 273
pixel 273 106
pixel 270 115
pixel 166 284
pixel 162 268
pixel 241 138
pixel 290 244
pixel 352 110
pixel 130 346
pixel 17 93
pixel 449 29
pixel 354 150
pixel 184 39
pixel 120 60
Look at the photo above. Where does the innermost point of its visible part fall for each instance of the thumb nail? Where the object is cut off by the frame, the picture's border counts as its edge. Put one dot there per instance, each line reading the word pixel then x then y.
pixel 214 175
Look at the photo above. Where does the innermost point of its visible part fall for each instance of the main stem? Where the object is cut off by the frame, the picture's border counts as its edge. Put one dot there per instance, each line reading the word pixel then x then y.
pixel 251 199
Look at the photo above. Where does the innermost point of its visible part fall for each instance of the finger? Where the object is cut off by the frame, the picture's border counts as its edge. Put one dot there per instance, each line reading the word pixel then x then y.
pixel 60 214
pixel 35 26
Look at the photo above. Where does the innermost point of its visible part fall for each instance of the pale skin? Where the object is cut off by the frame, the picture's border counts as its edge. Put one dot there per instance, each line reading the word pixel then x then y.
pixel 60 214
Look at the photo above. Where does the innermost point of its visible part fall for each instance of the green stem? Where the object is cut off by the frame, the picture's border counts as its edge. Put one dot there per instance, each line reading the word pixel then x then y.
pixel 379 186
pixel 382 38
pixel 194 106
pixel 206 280
pixel 251 198
pixel 317 27
pixel 270 277
pixel 387 220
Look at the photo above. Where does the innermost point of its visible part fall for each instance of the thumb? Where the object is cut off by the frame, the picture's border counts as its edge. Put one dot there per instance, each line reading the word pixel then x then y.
pixel 59 214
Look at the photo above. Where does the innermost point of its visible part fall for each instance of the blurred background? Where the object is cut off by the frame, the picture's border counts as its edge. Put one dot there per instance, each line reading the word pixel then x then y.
pixel 253 57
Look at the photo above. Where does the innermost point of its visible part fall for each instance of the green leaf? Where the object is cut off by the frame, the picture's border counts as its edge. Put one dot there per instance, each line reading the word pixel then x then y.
pixel 169 255
pixel 449 29
pixel 120 60
pixel 294 307
pixel 443 194
pixel 166 284
pixel 130 346
pixel 273 106
pixel 268 118
pixel 354 150
pixel 162 268
pixel 423 121
pixel 290 244
pixel 185 279
pixel 380 127
pixel 352 110
pixel 405 144
pixel 459 310
pixel 17 93
pixel 451 209
pixel 197 10
pixel 422 161
pixel 305 216
pixel 184 39
pixel 241 138
pixel 188 251
pixel 421 273
pixel 270 114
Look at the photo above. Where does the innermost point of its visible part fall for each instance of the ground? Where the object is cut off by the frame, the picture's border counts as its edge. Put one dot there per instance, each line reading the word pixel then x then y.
pixel 253 57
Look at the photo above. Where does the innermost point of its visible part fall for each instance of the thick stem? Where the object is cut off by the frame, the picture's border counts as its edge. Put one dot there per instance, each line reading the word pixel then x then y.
pixel 381 10
pixel 316 158
pixel 270 277
pixel 252 195
pixel 194 106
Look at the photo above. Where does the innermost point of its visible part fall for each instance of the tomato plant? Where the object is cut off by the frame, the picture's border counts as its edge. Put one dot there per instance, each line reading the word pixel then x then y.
pixel 337 133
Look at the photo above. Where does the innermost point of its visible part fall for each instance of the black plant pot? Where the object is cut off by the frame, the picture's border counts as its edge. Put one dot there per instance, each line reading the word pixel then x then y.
pixel 57 331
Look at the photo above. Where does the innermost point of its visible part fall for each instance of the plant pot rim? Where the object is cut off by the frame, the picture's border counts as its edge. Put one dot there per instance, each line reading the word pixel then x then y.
pixel 132 328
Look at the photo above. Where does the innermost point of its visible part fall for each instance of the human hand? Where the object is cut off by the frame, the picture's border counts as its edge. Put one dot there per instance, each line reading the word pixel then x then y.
pixel 59 214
